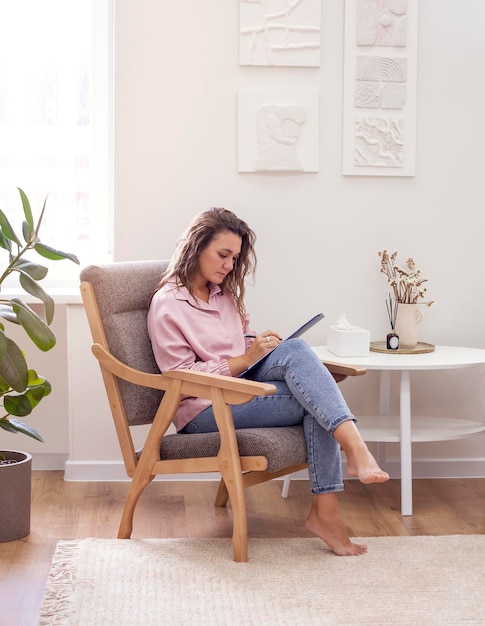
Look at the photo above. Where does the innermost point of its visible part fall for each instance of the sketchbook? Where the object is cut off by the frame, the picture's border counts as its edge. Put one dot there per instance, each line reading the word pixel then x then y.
pixel 303 328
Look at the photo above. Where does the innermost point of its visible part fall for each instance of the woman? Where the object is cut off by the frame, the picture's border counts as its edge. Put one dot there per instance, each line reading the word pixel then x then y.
pixel 197 320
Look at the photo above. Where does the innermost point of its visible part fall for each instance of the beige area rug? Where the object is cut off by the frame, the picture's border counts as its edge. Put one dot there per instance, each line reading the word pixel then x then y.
pixel 401 580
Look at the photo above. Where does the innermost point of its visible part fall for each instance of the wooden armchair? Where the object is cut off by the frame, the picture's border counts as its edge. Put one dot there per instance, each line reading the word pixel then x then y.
pixel 115 297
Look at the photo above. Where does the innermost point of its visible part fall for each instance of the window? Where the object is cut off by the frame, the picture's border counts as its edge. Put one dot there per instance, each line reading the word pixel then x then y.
pixel 55 124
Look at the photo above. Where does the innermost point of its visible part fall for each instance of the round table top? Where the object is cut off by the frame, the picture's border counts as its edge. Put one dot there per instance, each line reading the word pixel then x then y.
pixel 443 357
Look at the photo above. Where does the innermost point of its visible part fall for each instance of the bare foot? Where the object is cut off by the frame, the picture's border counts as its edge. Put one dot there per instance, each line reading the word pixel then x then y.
pixel 361 463
pixel 325 522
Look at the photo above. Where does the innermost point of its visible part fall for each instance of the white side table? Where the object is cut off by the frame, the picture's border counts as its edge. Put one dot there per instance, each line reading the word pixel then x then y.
pixel 383 428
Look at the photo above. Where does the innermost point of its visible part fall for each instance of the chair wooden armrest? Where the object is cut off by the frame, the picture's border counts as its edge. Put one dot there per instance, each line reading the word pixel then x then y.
pixel 199 384
pixel 340 372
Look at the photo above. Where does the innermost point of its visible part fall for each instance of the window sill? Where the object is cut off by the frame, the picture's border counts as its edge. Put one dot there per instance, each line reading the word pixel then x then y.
pixel 60 295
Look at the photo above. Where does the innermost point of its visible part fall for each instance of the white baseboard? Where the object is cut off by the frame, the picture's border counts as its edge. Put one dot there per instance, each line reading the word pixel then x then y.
pixel 422 468
pixel 440 468
pixel 49 461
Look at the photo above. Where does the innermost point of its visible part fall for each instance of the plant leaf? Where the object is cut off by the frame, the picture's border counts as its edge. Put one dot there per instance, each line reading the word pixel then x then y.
pixel 37 228
pixel 36 394
pixel 37 389
pixel 38 381
pixel 17 405
pixel 4 387
pixel 3 345
pixel 4 242
pixel 53 254
pixel 8 313
pixel 36 290
pixel 7 230
pixel 27 209
pixel 6 425
pixel 22 404
pixel 21 427
pixel 34 326
pixel 13 367
pixel 27 232
pixel 34 270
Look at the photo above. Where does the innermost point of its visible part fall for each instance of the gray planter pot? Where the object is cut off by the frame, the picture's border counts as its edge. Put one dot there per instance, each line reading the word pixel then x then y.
pixel 15 495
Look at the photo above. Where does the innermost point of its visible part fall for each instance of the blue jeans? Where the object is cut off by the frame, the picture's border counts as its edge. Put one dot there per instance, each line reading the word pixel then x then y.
pixel 306 394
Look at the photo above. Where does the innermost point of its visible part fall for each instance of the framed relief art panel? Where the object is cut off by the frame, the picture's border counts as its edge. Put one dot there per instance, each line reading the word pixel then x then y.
pixel 278 131
pixel 380 83
pixel 280 32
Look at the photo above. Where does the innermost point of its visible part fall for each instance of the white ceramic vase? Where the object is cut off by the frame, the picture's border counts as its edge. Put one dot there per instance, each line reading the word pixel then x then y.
pixel 408 318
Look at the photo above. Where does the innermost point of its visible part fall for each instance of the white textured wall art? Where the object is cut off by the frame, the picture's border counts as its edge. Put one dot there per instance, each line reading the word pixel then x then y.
pixel 382 22
pixel 378 142
pixel 280 32
pixel 277 132
pixel 380 82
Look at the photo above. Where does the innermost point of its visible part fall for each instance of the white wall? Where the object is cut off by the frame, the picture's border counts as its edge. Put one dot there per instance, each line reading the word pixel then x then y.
pixel 176 82
pixel 177 79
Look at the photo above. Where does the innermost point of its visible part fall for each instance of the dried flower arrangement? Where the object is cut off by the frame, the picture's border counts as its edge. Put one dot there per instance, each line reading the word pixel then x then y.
pixel 406 282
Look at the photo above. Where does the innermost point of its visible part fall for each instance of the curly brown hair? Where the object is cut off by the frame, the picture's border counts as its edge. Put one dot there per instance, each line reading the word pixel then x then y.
pixel 184 264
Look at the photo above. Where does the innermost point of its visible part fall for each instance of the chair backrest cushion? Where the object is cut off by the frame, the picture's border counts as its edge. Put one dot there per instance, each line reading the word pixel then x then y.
pixel 122 293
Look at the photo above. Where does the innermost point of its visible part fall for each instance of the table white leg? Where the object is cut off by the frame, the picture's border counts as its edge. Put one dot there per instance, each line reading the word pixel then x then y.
pixel 384 392
pixel 384 399
pixel 406 453
pixel 286 486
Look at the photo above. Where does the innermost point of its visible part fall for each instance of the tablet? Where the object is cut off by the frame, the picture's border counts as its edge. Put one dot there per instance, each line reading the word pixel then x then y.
pixel 303 328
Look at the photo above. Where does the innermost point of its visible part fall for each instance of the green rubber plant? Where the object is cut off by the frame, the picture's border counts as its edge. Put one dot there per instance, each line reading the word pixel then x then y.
pixel 21 388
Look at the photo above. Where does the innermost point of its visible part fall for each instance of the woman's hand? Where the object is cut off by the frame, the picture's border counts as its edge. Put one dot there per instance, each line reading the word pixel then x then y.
pixel 262 344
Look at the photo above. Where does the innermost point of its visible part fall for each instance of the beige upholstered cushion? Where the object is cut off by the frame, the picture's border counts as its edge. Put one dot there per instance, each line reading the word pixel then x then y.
pixel 122 293
pixel 281 446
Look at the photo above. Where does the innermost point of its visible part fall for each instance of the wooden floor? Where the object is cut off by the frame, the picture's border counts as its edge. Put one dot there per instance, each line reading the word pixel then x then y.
pixel 69 510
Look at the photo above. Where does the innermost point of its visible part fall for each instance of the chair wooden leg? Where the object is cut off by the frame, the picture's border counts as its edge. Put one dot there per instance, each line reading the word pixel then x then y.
pixel 231 472
pixel 222 496
pixel 144 472
pixel 239 522
pixel 137 486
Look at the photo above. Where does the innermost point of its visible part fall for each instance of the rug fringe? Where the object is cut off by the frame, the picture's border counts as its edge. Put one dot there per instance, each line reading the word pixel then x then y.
pixel 57 604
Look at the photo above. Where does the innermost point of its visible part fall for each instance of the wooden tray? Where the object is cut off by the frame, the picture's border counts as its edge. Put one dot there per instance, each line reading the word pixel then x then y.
pixel 420 348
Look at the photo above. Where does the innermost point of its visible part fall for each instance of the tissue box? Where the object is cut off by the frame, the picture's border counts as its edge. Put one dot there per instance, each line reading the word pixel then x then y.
pixel 344 342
